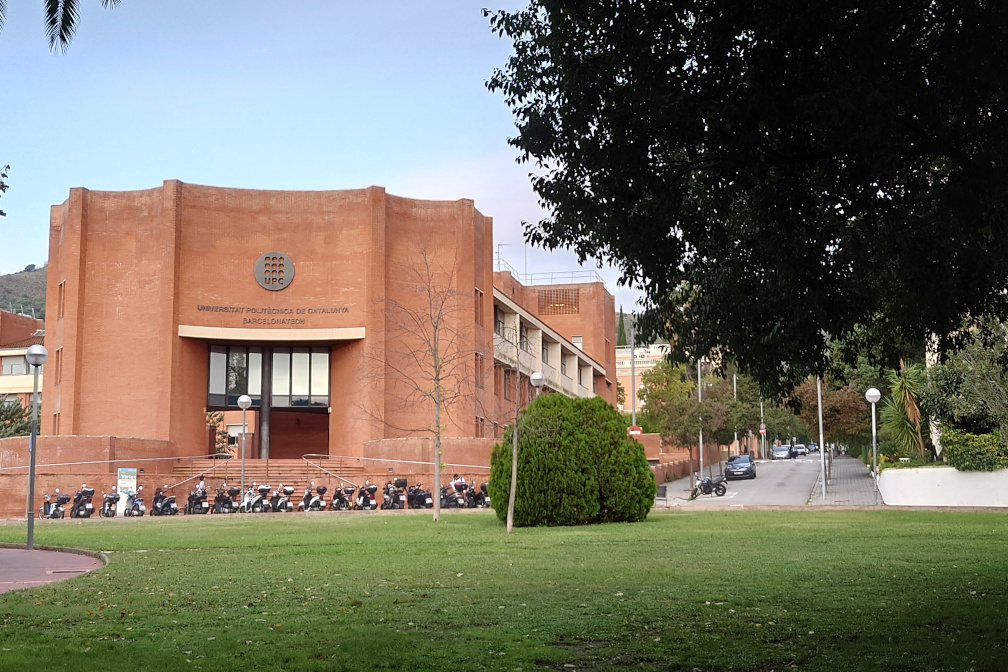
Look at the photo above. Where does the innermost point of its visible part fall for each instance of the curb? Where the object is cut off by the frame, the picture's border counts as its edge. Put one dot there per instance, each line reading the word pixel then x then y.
pixel 59 549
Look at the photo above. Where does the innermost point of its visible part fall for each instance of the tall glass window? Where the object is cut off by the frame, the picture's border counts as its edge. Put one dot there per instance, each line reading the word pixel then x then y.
pixel 234 370
pixel 319 377
pixel 281 377
pixel 301 377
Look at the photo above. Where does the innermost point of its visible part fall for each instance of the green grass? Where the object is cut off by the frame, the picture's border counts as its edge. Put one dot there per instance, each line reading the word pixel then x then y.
pixel 740 590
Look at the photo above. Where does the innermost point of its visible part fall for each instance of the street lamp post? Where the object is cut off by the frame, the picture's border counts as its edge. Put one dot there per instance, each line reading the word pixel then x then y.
pixel 36 357
pixel 538 380
pixel 873 396
pixel 244 401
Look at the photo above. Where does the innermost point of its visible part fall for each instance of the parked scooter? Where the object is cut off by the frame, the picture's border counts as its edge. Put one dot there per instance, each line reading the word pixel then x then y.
pixel 343 498
pixel 163 504
pixel 109 502
pixel 392 496
pixel 197 502
pixel 82 506
pixel 256 499
pixel 313 502
pixel 366 497
pixel 134 503
pixel 707 486
pixel 54 509
pixel 418 498
pixel 281 500
pixel 453 497
pixel 226 500
pixel 477 499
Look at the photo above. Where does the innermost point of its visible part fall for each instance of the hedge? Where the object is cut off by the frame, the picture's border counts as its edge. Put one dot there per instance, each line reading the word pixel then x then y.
pixel 974 452
pixel 576 466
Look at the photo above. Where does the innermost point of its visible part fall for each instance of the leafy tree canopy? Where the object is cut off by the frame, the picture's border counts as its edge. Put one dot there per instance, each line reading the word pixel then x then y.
pixel 772 175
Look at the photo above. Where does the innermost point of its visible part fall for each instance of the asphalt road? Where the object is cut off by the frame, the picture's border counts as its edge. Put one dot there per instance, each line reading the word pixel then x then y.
pixel 777 483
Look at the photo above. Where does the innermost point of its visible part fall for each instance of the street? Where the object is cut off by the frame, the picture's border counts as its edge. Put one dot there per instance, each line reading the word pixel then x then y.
pixel 777 483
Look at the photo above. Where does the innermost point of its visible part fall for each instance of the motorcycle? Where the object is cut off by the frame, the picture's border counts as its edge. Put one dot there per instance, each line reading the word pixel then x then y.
pixel 134 503
pixel 314 502
pixel 197 502
pixel 366 498
pixel 108 507
pixel 342 498
pixel 453 497
pixel 418 498
pixel 163 504
pixel 707 486
pixel 82 506
pixel 477 499
pixel 256 499
pixel 226 501
pixel 392 497
pixel 281 500
pixel 51 509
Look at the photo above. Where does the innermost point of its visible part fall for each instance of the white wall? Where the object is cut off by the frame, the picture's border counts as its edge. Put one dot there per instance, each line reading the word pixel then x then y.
pixel 943 486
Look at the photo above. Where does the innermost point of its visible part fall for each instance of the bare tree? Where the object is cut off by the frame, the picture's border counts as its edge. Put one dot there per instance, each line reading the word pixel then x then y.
pixel 430 366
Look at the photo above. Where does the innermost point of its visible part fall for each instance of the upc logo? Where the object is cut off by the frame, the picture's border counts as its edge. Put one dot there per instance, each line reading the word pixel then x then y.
pixel 274 271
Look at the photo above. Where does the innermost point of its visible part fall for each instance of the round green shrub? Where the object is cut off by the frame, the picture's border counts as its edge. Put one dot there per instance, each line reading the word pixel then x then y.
pixel 576 466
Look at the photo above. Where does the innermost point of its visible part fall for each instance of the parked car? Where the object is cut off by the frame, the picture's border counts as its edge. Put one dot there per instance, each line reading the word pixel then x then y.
pixel 740 466
pixel 813 448
pixel 798 449
pixel 781 452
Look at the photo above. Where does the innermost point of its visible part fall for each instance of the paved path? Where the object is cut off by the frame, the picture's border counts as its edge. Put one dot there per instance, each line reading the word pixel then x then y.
pixel 21 568
pixel 850 484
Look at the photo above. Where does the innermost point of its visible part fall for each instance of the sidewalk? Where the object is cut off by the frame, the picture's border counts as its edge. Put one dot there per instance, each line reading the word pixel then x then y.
pixel 850 484
pixel 21 568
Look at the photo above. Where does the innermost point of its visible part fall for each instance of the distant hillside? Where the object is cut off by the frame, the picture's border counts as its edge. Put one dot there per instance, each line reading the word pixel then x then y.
pixel 24 292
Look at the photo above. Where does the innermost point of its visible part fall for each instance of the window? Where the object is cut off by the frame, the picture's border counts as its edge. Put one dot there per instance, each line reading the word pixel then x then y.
pixel 13 365
pixel 479 372
pixel 9 400
pixel 508 383
pixel 479 306
pixel 580 375
pixel 545 352
pixel 523 340
pixel 563 364
pixel 498 321
pixel 59 365
pixel 608 347
pixel 576 340
pixel 479 426
pixel 60 298
pixel 300 377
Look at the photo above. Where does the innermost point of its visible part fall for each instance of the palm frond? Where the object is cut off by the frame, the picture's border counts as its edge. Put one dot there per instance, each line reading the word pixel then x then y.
pixel 61 22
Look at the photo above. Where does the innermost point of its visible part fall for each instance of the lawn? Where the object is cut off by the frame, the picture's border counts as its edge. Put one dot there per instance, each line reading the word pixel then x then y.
pixel 741 590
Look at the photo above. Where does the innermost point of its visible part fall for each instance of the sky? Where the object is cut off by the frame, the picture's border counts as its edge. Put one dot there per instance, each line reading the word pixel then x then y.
pixel 265 95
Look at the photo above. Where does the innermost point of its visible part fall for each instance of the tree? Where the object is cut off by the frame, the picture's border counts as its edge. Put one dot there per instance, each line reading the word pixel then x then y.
pixel 15 420
pixel 215 422
pixel 844 410
pixel 760 159
pixel 61 19
pixel 431 368
pixel 3 185
pixel 576 466
pixel 901 416
pixel 969 390
pixel 621 331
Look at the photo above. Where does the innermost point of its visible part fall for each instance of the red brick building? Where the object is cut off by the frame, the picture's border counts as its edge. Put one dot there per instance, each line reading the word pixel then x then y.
pixel 169 303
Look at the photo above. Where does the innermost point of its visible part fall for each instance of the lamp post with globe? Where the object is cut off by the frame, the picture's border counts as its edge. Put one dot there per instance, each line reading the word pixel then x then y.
pixel 36 357
pixel 873 396
pixel 244 401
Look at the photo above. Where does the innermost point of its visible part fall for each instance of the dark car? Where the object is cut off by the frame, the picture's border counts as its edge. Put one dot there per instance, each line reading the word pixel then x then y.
pixel 740 466
pixel 799 449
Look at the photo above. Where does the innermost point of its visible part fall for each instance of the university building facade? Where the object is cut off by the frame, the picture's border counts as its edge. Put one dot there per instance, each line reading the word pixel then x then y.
pixel 165 305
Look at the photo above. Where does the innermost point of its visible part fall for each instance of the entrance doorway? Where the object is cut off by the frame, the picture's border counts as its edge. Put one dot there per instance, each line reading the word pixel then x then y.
pixel 289 388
